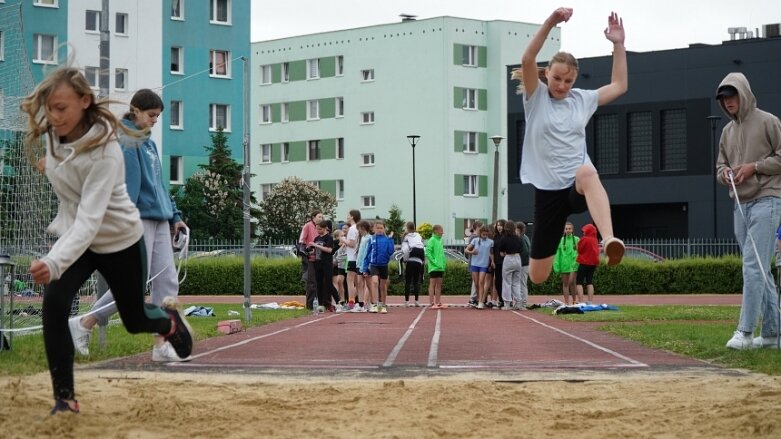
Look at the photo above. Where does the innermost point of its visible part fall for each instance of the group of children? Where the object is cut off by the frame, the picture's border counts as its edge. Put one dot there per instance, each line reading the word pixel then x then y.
pixel 351 265
pixel 575 261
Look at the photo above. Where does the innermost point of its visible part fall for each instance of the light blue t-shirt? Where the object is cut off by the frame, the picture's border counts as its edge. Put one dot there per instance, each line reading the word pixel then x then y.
pixel 554 144
pixel 483 247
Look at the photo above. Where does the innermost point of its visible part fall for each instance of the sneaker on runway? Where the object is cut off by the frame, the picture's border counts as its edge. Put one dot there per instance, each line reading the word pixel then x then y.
pixel 614 250
pixel 357 308
pixel 384 309
pixel 181 335
pixel 442 306
pixel 406 304
pixel 740 341
pixel 164 353
pixel 472 303
pixel 506 307
pixel 80 335
pixel 481 305
pixel 766 342
pixel 374 308
pixel 350 305
pixel 417 304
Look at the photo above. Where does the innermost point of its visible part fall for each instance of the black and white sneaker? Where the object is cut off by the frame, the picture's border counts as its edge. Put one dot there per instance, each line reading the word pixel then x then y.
pixel 181 335
pixel 61 406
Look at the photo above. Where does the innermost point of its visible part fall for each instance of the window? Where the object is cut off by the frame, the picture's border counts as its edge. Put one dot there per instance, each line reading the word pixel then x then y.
pixel 121 25
pixel 120 79
pixel 367 159
pixel 313 68
pixel 219 63
pixel 469 55
pixel 285 112
pixel 285 72
pixel 176 112
pixel 43 49
pixel 606 143
pixel 470 141
pixel 265 75
pixel 177 64
pixel 367 75
pixel 313 150
pixel 265 113
pixel 92 73
pixel 339 65
pixel 265 190
pixel 177 170
pixel 313 110
pixel 470 185
pixel 177 9
pixel 220 11
pixel 219 117
pixel 367 201
pixel 340 190
pixel 92 21
pixel 340 148
pixel 367 117
pixel 470 99
pixel 673 140
pixel 45 3
pixel 339 107
pixel 285 152
pixel 640 143
pixel 265 153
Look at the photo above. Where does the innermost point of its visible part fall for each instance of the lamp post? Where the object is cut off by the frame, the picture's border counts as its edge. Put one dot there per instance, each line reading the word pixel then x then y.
pixel 497 140
pixel 713 121
pixel 413 140
pixel 7 276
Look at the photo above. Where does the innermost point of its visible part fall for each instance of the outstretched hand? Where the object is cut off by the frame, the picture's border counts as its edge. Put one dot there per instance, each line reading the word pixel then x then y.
pixel 560 15
pixel 614 31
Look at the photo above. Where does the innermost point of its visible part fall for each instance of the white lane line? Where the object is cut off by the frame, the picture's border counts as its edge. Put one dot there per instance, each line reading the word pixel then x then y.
pixel 592 344
pixel 434 349
pixel 396 349
pixel 250 340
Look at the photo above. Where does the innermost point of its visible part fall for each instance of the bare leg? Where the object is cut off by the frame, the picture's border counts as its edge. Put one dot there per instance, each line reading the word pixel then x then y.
pixel 587 183
pixel 590 289
pixel 539 269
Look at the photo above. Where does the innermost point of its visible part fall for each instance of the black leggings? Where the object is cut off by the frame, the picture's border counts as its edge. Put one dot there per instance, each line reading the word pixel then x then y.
pixel 413 277
pixel 324 272
pixel 125 272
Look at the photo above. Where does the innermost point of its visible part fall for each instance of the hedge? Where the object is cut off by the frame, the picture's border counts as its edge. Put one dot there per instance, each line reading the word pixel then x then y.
pixel 224 276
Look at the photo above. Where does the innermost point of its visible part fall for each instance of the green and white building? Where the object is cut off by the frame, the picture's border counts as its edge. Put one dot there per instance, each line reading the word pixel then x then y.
pixel 336 108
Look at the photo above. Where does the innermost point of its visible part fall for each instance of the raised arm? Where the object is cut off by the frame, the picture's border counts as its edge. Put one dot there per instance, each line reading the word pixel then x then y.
pixel 619 78
pixel 529 74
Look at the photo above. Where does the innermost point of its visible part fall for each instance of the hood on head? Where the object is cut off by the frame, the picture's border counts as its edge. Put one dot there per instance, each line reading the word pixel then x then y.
pixel 739 83
pixel 589 230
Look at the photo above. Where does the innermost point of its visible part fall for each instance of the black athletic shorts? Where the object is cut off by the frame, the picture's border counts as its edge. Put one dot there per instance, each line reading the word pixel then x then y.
pixel 551 210
pixel 351 266
pixel 379 270
pixel 436 274
pixel 585 274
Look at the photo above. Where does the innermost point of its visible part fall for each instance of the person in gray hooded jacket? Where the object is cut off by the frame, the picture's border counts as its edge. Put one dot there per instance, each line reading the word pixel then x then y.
pixel 749 164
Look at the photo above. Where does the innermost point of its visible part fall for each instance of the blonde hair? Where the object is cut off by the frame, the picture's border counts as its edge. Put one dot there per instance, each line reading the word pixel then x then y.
pixel 565 58
pixel 97 114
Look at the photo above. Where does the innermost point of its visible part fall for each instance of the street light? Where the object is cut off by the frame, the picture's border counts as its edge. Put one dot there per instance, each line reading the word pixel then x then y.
pixel 713 121
pixel 413 140
pixel 497 140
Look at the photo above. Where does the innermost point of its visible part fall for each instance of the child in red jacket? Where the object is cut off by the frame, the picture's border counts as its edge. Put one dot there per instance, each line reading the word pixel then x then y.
pixel 588 259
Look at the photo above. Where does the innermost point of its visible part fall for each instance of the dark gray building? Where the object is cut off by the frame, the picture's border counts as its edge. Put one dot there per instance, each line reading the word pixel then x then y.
pixel 655 147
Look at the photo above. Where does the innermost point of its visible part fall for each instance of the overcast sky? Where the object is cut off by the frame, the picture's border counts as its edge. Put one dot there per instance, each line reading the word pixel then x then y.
pixel 649 24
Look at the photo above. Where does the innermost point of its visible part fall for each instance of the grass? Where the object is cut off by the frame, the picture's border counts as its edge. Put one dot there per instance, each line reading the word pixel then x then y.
pixel 28 357
pixel 694 331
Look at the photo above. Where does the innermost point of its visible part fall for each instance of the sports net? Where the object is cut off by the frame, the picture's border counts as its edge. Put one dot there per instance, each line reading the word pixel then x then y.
pixel 27 203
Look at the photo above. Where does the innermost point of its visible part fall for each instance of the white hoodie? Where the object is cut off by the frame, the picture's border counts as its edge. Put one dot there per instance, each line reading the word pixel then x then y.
pixel 411 240
pixel 94 209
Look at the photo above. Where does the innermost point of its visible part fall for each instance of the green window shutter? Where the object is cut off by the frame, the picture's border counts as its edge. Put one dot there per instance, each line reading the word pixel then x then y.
pixel 328 186
pixel 482 185
pixel 458 227
pixel 276 73
pixel 327 108
pixel 458 141
pixel 457 49
pixel 482 99
pixel 458 97
pixel 327 148
pixel 482 143
pixel 297 111
pixel 276 152
pixel 276 113
pixel 298 70
pixel 297 152
pixel 458 183
pixel 482 56
pixel 328 67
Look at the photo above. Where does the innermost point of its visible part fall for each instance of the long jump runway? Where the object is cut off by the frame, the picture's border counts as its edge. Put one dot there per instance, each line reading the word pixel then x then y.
pixel 422 340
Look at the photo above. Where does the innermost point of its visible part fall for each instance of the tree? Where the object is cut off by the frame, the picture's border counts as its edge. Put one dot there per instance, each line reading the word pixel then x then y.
pixel 212 200
pixel 287 207
pixel 395 223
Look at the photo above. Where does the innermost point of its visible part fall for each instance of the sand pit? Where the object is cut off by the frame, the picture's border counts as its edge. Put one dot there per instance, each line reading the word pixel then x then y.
pixel 120 404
